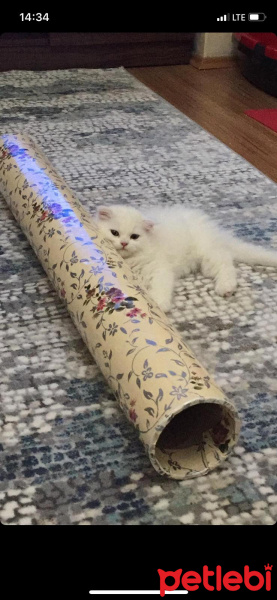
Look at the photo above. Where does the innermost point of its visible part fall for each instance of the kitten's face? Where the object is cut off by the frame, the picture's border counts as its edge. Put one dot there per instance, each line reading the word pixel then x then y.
pixel 125 228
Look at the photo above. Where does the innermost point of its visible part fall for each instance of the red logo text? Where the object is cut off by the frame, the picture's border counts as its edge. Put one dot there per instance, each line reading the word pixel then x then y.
pixel 215 580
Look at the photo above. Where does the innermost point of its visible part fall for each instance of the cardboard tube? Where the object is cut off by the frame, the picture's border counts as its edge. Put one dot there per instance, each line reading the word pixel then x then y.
pixel 184 420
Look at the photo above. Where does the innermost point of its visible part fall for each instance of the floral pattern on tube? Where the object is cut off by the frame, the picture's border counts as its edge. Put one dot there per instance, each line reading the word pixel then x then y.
pixel 184 420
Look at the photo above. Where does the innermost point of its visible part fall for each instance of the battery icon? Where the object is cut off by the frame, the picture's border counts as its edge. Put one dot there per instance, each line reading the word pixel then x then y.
pixel 256 17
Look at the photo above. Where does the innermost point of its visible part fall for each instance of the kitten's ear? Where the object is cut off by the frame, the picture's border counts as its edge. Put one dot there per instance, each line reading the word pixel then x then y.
pixel 148 225
pixel 104 213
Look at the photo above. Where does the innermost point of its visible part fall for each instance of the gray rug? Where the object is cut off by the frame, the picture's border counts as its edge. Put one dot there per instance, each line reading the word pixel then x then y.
pixel 67 454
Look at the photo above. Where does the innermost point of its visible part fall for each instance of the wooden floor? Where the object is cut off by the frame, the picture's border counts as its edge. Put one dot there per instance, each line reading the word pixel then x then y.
pixel 217 99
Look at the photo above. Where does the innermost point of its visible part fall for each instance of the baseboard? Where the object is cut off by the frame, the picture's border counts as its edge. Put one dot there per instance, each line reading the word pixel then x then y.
pixel 199 62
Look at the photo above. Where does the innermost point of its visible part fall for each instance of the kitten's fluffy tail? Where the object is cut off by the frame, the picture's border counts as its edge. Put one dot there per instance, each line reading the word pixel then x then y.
pixel 252 254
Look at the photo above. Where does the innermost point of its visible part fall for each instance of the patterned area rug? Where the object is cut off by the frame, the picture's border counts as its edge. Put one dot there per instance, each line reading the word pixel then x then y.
pixel 68 456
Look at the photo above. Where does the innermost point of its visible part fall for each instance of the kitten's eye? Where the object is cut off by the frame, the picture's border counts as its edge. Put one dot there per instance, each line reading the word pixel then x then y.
pixel 134 236
pixel 114 232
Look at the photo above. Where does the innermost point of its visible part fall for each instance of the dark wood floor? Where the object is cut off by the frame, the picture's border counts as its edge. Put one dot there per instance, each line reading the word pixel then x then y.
pixel 217 99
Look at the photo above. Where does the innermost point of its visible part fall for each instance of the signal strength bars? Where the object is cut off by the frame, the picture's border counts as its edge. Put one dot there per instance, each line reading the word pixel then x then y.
pixel 224 18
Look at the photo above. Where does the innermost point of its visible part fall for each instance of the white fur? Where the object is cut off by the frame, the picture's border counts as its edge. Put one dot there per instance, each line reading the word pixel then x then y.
pixel 175 241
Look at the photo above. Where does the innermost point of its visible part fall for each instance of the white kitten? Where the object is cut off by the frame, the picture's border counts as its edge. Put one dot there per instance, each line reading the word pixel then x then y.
pixel 170 242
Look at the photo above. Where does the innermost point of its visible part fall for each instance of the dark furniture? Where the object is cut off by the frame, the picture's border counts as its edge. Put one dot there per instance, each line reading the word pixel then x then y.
pixel 38 51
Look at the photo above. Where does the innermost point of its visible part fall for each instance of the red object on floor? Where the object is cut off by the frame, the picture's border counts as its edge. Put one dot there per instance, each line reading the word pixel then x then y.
pixel 250 40
pixel 266 116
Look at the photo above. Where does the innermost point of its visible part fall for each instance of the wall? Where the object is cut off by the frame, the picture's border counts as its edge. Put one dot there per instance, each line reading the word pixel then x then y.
pixel 214 45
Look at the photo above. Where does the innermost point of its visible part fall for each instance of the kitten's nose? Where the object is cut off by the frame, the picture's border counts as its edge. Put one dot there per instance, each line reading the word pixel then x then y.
pixel 123 244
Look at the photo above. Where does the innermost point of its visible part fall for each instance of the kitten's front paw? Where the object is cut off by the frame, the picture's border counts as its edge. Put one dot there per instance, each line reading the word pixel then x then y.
pixel 163 303
pixel 226 287
pixel 165 306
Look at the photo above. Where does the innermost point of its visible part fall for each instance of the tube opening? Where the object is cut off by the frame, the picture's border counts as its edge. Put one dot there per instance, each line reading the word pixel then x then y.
pixel 196 440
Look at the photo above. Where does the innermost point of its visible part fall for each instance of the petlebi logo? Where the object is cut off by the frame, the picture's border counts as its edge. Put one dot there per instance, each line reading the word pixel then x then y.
pixel 216 580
